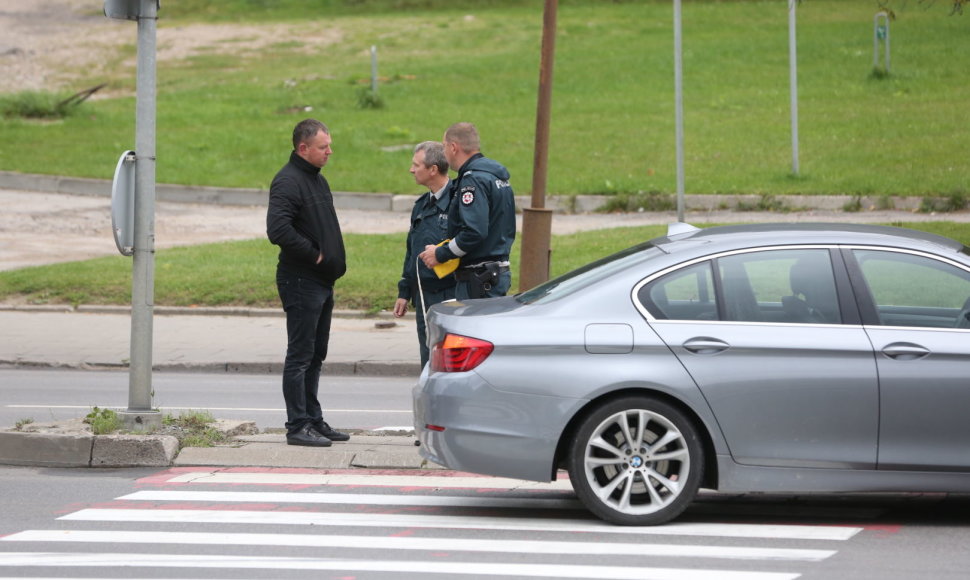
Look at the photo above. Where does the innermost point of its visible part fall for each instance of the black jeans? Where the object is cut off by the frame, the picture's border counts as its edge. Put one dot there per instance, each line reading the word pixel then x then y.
pixel 308 304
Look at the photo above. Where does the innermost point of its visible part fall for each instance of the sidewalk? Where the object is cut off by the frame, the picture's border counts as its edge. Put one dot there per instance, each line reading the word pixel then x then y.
pixel 200 340
pixel 68 445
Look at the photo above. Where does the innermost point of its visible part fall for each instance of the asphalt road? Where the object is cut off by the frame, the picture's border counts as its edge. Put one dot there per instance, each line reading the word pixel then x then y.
pixel 55 395
pixel 269 523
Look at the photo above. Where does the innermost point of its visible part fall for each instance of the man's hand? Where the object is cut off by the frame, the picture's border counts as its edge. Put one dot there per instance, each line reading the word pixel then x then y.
pixel 428 257
pixel 400 307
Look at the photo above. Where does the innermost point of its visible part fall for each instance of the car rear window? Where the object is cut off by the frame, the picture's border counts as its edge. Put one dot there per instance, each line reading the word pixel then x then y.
pixel 587 275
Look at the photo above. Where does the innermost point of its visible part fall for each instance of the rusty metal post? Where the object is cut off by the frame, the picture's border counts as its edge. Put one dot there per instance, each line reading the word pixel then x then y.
pixel 537 220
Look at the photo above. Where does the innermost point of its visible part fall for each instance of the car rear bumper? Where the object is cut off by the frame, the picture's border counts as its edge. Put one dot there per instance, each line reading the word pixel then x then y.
pixel 486 430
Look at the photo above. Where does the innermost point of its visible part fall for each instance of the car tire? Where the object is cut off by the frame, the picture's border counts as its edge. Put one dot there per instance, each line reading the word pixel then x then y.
pixel 645 484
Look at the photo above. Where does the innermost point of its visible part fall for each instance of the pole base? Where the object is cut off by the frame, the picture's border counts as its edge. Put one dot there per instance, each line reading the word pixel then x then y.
pixel 141 420
pixel 536 239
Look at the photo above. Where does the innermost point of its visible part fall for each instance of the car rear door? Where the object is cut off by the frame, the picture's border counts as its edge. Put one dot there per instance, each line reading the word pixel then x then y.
pixel 915 307
pixel 772 339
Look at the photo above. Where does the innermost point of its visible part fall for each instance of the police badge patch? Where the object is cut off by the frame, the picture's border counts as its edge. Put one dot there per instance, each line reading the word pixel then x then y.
pixel 467 195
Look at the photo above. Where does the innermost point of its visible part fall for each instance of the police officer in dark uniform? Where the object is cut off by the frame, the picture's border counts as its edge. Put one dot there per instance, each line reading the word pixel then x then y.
pixel 429 225
pixel 481 221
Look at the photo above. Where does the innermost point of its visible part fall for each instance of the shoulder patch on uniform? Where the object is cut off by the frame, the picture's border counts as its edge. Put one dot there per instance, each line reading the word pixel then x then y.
pixel 468 195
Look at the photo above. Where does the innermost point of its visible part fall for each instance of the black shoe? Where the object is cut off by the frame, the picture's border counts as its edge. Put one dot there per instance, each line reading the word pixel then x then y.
pixel 328 432
pixel 308 437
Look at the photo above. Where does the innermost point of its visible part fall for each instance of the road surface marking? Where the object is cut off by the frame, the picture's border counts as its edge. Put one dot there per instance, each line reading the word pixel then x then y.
pixel 251 517
pixel 278 478
pixel 519 570
pixel 354 498
pixel 437 544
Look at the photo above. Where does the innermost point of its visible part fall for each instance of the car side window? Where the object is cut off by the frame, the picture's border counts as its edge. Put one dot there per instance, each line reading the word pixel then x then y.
pixel 785 286
pixel 915 290
pixel 684 294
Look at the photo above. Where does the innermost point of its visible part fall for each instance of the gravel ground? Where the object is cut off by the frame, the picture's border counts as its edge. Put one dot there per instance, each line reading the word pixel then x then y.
pixel 43 228
pixel 71 45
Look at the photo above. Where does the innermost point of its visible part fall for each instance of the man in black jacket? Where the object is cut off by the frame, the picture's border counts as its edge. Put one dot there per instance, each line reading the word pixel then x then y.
pixel 301 220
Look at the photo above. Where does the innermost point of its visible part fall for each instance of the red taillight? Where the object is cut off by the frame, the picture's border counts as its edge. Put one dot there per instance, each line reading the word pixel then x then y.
pixel 457 354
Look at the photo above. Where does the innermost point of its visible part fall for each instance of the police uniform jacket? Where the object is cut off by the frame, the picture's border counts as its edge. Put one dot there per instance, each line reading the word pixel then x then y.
pixel 481 219
pixel 429 226
pixel 302 221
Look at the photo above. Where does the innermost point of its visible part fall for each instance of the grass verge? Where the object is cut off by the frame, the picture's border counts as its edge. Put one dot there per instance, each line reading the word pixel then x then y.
pixel 243 273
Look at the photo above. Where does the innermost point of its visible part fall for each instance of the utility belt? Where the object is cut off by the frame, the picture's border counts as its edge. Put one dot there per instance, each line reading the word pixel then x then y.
pixel 481 277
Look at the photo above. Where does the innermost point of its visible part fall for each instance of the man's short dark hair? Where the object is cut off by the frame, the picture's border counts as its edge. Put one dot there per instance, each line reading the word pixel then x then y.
pixel 434 154
pixel 307 129
pixel 465 135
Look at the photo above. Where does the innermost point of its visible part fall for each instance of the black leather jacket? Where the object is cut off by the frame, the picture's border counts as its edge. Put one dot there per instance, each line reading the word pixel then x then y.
pixel 301 220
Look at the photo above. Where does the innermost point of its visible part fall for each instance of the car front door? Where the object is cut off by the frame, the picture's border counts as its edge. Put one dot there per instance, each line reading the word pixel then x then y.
pixel 765 336
pixel 919 326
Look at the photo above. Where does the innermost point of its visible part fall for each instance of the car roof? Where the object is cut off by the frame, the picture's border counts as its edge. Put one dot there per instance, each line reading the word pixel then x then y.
pixel 682 236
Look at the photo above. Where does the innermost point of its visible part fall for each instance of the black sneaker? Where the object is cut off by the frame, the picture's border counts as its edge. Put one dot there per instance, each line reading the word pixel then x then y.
pixel 328 432
pixel 307 436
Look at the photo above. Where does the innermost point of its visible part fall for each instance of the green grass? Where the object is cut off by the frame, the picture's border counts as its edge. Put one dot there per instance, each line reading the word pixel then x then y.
pixel 36 105
pixel 193 429
pixel 242 273
pixel 103 421
pixel 225 120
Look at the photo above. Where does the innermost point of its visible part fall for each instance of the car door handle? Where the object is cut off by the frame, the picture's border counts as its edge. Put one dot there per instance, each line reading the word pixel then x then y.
pixel 905 351
pixel 706 345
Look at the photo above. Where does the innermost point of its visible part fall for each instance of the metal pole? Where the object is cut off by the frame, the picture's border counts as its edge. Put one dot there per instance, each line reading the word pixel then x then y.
pixel 887 44
pixel 679 98
pixel 537 220
pixel 793 71
pixel 373 69
pixel 140 415
pixel 880 31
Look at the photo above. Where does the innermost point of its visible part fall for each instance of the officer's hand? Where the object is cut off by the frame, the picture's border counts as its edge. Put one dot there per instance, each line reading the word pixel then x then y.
pixel 428 257
pixel 400 307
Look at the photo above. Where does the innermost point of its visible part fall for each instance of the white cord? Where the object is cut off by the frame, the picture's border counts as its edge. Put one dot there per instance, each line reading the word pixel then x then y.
pixel 424 310
pixel 417 274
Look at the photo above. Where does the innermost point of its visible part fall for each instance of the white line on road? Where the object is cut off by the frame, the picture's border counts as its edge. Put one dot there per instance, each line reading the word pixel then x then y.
pixel 354 499
pixel 249 517
pixel 279 478
pixel 149 561
pixel 439 544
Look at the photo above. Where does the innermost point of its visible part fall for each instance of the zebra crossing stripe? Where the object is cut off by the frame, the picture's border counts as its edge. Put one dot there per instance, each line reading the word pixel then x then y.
pixel 354 499
pixel 283 478
pixel 248 517
pixel 519 570
pixel 410 543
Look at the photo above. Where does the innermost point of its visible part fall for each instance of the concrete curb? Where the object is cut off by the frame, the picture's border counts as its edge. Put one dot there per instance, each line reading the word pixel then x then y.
pixel 86 450
pixel 403 203
pixel 70 444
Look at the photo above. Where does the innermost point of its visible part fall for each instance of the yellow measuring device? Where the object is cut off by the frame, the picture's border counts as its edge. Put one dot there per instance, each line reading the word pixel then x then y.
pixel 442 270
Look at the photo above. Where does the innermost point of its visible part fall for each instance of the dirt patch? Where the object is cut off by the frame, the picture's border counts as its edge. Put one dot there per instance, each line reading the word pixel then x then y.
pixel 70 44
